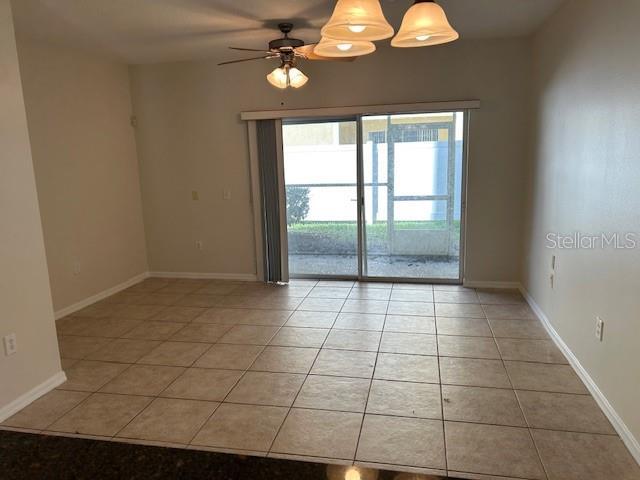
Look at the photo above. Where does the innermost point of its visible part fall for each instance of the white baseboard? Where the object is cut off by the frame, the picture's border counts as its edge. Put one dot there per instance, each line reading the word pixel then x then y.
pixel 485 284
pixel 99 296
pixel 242 277
pixel 32 395
pixel 618 424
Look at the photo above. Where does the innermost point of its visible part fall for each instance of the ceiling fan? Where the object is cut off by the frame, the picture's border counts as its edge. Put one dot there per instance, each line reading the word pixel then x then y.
pixel 288 50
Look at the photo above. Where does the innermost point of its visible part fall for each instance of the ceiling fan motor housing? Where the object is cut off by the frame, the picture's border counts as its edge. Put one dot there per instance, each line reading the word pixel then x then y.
pixel 285 42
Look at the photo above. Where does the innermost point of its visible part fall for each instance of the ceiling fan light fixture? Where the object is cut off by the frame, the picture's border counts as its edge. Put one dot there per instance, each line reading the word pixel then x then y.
pixel 287 76
pixel 328 47
pixel 357 20
pixel 425 23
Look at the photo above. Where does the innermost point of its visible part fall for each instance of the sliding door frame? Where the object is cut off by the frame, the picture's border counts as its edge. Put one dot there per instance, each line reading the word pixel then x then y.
pixel 350 114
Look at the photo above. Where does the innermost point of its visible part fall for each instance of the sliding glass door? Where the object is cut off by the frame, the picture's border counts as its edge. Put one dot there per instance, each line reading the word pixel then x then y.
pixel 320 169
pixel 377 196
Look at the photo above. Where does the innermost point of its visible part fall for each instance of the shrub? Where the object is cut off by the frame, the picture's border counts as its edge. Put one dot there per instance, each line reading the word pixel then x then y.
pixel 297 204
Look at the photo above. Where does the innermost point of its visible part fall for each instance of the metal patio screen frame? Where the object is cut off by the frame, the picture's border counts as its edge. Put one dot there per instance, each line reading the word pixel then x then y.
pixel 341 114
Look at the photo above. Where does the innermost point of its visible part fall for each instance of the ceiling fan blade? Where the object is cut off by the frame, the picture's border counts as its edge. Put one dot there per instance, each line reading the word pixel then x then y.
pixel 307 52
pixel 249 49
pixel 246 60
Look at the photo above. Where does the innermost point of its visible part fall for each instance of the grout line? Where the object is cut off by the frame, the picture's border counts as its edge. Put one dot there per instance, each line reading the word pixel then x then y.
pixel 544 469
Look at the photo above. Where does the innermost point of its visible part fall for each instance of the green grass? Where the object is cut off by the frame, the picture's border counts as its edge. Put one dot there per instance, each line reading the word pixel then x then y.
pixel 349 230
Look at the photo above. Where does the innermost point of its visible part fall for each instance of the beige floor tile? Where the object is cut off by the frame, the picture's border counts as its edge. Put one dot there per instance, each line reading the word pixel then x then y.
pixel 200 332
pixel 178 314
pixel 203 384
pixel 413 286
pixel 312 319
pixel 319 433
pixel 528 350
pixel 408 368
pixel 285 359
pixel 474 372
pixel 442 296
pixel 520 311
pixel 79 347
pixel 482 405
pixel 370 294
pixel 108 327
pixel 223 316
pixel 178 354
pixel 336 283
pixel 333 393
pixel 410 324
pixel 404 295
pixel 139 312
pixel 360 321
pixel 169 420
pixel 329 292
pixel 265 388
pixel 154 330
pixel 201 301
pixel 227 356
pixel 300 337
pixel 89 376
pixel 578 456
pixel 560 411
pixel 45 410
pixel 321 304
pixel 127 298
pixel 242 427
pixel 402 441
pixel 361 340
pixel 68 363
pixel 469 347
pixel 124 350
pixel 518 329
pixel 71 325
pixel 101 414
pixel 469 327
pixel 411 343
pixel 179 288
pixel 161 299
pixel 365 306
pixel 274 318
pixel 466 310
pixel 143 380
pixel 492 450
pixel 544 377
pixel 100 310
pixel 249 335
pixel 500 297
pixel 405 399
pixel 344 363
pixel 421 309
pixel 216 289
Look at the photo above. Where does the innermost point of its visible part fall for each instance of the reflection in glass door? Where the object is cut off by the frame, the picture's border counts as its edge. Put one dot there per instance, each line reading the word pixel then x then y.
pixel 413 176
pixel 320 169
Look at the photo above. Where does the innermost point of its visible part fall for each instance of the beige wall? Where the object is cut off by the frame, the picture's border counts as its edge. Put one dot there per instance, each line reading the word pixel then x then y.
pixel 24 285
pixel 84 153
pixel 585 177
pixel 189 137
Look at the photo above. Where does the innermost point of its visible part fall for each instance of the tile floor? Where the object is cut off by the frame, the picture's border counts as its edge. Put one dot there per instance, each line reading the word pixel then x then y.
pixel 441 380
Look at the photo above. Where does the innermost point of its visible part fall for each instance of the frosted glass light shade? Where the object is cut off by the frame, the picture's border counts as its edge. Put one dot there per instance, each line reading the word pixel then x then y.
pixel 424 24
pixel 278 78
pixel 329 47
pixel 286 76
pixel 357 20
pixel 296 78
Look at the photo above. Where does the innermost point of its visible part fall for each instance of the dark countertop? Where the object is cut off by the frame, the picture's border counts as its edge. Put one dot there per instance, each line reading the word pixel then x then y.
pixel 35 456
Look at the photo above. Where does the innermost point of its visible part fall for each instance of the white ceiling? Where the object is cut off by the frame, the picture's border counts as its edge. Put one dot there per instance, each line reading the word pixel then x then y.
pixel 146 31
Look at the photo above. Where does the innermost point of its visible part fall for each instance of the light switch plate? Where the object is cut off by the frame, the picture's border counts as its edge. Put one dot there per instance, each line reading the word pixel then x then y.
pixel 10 344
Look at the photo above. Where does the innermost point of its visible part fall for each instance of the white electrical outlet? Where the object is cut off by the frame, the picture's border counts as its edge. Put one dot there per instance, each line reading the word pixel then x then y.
pixel 599 328
pixel 199 244
pixel 10 344
pixel 77 267
pixel 226 194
